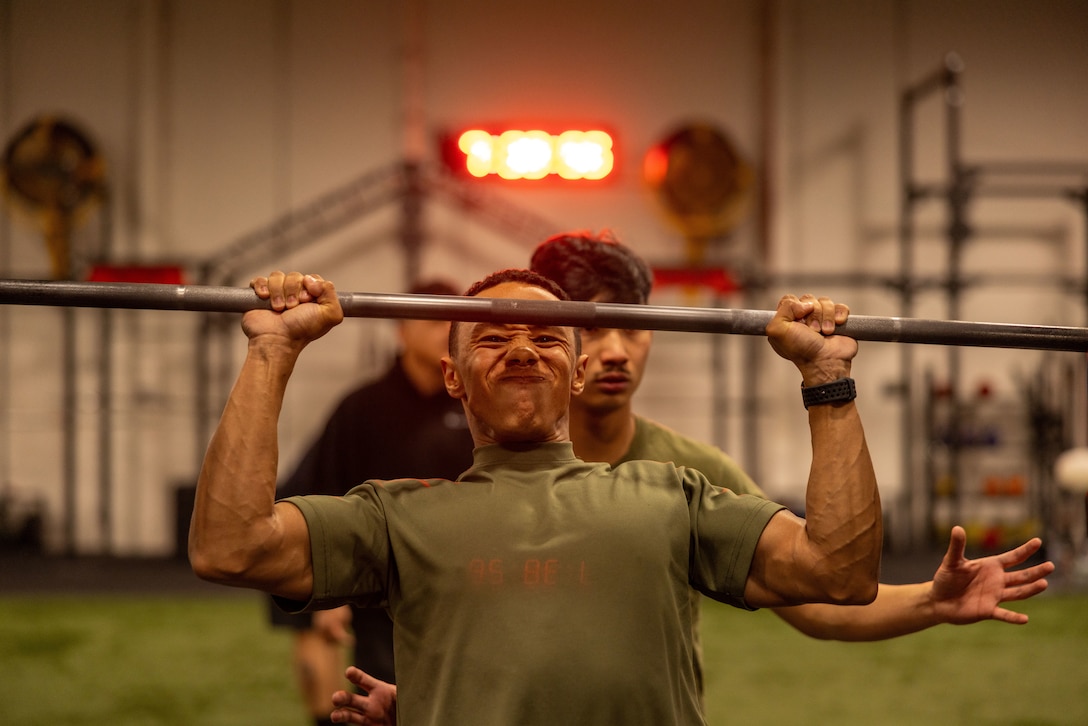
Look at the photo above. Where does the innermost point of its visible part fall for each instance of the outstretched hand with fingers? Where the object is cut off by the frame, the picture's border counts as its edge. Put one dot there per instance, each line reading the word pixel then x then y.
pixel 967 591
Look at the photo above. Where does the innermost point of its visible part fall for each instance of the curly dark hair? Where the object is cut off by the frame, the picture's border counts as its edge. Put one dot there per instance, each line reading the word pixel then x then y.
pixel 528 277
pixel 594 266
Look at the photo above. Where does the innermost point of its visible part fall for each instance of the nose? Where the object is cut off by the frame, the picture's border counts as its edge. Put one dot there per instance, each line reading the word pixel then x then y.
pixel 521 353
pixel 613 350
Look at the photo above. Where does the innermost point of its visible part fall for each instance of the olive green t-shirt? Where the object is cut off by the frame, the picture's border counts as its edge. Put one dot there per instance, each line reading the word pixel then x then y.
pixel 538 588
pixel 656 442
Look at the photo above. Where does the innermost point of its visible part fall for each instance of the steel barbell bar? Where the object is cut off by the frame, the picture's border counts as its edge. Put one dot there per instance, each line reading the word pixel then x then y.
pixel 210 298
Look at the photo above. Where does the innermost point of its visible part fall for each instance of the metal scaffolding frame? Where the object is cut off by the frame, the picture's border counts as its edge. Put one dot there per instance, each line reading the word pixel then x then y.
pixel 965 182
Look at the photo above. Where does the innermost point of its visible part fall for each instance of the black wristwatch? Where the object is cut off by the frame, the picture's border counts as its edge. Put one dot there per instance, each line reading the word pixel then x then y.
pixel 839 391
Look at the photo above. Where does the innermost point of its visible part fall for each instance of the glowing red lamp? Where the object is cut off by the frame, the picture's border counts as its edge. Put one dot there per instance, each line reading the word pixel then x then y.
pixel 535 154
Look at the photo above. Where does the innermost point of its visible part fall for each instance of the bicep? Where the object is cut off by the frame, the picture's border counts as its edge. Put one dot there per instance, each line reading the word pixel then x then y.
pixel 778 568
pixel 289 565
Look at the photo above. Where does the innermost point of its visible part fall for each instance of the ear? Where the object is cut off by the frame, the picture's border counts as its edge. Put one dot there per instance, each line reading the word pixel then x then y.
pixel 454 385
pixel 578 377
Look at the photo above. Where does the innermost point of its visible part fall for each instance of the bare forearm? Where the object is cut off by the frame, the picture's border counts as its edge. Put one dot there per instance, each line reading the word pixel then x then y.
pixel 842 505
pixel 897 610
pixel 234 516
pixel 833 555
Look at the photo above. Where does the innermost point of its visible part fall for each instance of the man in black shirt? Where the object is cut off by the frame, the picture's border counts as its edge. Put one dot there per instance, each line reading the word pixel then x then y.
pixel 401 424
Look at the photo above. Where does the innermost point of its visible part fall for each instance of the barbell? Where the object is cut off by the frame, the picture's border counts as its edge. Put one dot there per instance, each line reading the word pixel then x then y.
pixel 222 299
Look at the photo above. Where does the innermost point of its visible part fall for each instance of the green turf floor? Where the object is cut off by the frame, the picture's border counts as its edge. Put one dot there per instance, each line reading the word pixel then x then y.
pixel 211 661
pixel 978 675
pixel 130 661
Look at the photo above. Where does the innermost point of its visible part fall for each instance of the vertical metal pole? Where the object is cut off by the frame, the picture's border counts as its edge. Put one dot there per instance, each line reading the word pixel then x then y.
pixel 414 140
pixel 1083 196
pixel 751 352
pixel 105 430
pixel 906 310
pixel 946 81
pixel 1080 428
pixel 105 396
pixel 719 407
pixel 958 232
pixel 751 404
pixel 6 335
pixel 68 417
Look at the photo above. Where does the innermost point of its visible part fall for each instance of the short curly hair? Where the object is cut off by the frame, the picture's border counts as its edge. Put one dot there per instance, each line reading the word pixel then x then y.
pixel 594 267
pixel 528 277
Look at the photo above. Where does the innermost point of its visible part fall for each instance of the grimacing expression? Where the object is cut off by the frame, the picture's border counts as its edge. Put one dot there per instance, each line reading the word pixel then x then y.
pixel 516 381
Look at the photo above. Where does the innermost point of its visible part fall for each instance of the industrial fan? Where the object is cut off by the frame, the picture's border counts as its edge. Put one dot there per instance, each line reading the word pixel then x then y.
pixel 51 170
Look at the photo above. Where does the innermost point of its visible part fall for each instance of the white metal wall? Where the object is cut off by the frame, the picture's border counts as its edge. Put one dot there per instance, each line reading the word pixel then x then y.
pixel 216 117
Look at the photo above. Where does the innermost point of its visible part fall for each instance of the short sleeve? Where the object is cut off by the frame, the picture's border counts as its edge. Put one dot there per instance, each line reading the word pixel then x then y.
pixel 725 529
pixel 349 548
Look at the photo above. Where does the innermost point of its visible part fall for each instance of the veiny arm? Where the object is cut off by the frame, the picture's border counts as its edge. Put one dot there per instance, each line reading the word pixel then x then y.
pixel 833 555
pixel 238 535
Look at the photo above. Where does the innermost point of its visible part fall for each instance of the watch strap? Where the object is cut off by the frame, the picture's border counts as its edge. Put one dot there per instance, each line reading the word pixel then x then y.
pixel 839 391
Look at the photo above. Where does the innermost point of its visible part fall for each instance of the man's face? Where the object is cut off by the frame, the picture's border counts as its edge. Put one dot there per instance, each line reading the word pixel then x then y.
pixel 424 340
pixel 616 362
pixel 516 381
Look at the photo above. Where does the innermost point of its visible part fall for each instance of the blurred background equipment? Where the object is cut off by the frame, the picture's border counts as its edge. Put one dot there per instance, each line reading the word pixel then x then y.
pixel 702 183
pixel 51 170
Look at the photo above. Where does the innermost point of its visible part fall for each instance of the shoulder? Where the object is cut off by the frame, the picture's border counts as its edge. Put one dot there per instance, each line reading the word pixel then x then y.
pixel 658 442
pixel 393 487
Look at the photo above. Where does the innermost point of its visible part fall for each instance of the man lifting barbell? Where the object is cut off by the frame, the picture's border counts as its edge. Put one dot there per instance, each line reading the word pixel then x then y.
pixel 614 548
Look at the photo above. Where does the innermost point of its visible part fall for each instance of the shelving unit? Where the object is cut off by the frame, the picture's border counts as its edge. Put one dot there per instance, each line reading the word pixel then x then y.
pixel 980 467
pixel 980 459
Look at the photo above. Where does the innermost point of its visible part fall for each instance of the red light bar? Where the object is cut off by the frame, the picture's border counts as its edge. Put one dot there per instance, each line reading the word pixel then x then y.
pixel 537 154
pixel 157 274
pixel 715 278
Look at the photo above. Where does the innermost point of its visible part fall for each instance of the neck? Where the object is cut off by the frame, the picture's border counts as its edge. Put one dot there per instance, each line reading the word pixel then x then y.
pixel 484 434
pixel 425 377
pixel 602 436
